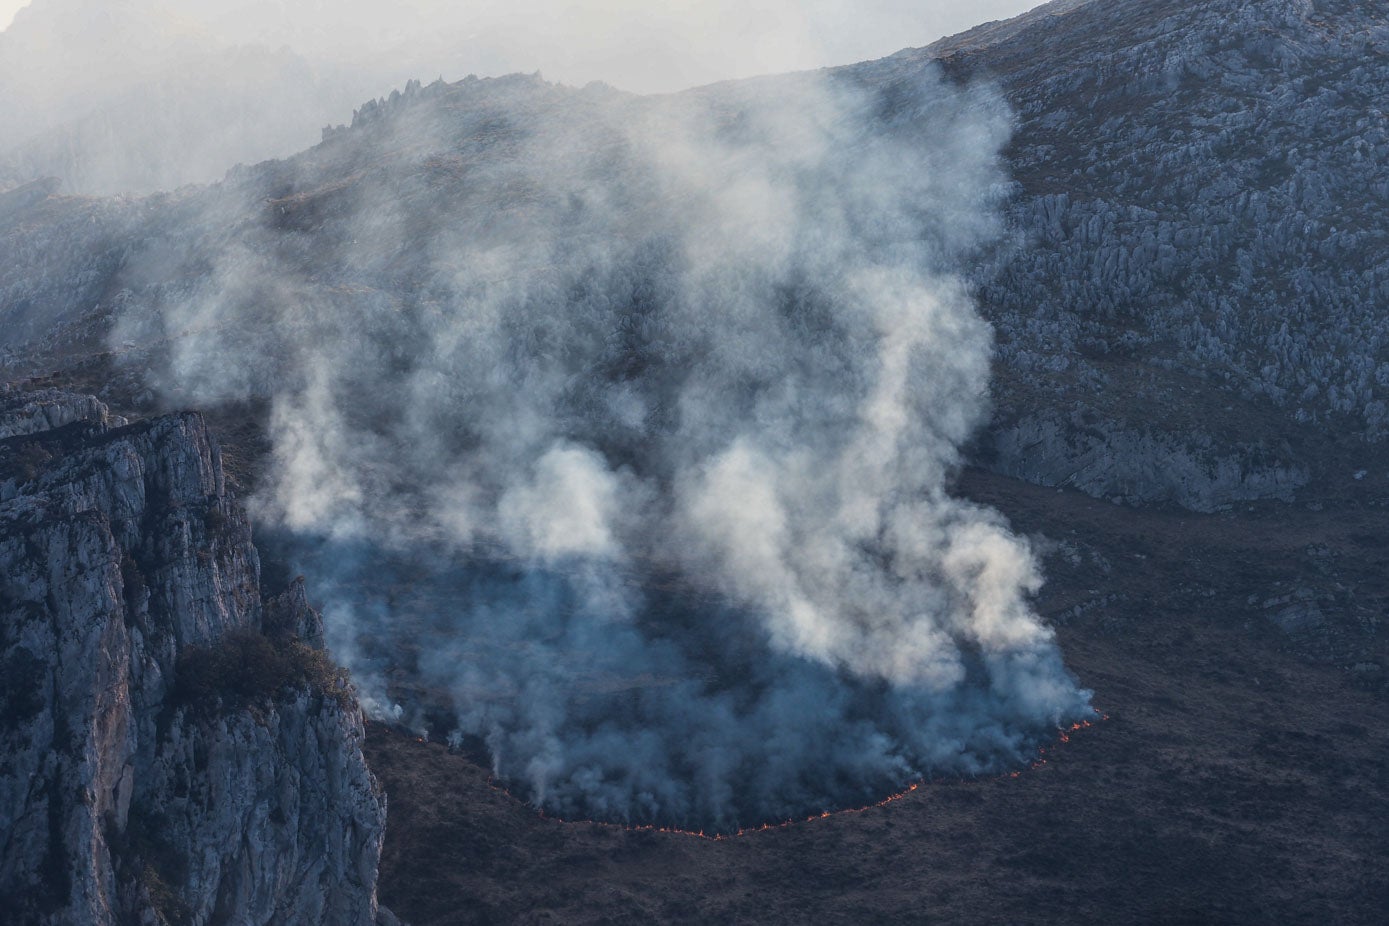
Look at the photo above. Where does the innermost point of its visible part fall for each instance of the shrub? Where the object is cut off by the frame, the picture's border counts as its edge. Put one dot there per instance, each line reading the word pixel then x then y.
pixel 131 575
pixel 143 854
pixel 29 460
pixel 247 669
pixel 214 520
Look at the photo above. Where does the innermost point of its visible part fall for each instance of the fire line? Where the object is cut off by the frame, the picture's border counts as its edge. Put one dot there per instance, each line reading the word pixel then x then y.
pixel 1064 735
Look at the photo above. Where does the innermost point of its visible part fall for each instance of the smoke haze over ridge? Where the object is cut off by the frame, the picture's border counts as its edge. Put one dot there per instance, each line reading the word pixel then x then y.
pixel 629 44
pixel 624 426
pixel 117 96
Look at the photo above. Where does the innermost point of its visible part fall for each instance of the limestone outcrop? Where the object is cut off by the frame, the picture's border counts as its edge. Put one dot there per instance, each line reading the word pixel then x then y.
pixel 173 747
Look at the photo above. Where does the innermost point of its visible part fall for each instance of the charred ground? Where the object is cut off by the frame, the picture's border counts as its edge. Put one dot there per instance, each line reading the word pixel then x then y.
pixel 1243 775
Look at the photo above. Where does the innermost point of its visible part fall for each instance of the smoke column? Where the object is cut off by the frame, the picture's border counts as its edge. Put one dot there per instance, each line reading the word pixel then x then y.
pixel 623 427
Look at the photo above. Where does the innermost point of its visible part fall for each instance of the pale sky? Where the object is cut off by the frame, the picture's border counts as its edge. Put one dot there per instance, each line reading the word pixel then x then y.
pixel 635 44
pixel 8 8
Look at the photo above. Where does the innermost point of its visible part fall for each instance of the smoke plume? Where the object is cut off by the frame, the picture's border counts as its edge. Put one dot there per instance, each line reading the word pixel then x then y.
pixel 623 427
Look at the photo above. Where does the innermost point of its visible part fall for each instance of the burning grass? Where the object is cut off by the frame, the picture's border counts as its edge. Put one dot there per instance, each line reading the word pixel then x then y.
pixel 1063 736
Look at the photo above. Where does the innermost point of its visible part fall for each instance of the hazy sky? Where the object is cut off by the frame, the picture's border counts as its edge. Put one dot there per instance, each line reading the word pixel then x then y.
pixel 634 44
pixel 8 8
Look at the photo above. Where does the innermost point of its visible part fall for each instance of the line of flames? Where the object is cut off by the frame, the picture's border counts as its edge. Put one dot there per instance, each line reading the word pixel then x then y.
pixel 1063 736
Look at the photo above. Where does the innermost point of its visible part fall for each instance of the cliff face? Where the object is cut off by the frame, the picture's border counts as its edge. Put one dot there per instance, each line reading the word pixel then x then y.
pixel 171 749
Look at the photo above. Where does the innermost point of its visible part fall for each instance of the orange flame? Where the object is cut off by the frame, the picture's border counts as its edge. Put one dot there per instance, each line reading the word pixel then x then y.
pixel 1063 736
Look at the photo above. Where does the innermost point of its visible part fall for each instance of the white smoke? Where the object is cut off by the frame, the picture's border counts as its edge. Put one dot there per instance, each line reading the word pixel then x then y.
pixel 626 426
pixel 118 96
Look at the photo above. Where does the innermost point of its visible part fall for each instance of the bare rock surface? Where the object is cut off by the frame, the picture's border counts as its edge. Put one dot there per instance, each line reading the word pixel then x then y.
pixel 1195 291
pixel 32 412
pixel 1126 463
pixel 164 755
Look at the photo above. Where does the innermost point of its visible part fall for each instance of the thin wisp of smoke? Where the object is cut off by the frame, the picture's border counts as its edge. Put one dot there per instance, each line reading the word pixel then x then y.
pixel 624 427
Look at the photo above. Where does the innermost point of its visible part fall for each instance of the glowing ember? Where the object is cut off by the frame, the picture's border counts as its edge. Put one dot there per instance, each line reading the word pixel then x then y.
pixel 1063 736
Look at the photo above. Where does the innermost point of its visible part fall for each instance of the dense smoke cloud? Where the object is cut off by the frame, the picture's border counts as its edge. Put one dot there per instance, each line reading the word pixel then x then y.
pixel 624 427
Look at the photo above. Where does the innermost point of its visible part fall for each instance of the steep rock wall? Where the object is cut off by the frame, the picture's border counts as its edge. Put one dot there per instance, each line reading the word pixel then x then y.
pixel 171 749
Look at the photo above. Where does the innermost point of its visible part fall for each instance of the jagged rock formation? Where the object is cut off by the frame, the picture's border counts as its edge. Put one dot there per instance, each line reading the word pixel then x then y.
pixel 1113 459
pixel 34 412
pixel 172 748
pixel 1201 266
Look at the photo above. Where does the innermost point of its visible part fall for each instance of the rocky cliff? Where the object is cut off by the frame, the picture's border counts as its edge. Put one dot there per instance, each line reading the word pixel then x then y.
pixel 173 747
pixel 1196 292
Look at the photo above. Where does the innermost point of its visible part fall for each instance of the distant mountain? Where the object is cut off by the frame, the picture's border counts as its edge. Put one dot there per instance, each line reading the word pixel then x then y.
pixel 136 96
pixel 1195 289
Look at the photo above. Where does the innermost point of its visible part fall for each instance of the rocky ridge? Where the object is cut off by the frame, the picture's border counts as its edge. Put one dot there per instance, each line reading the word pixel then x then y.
pixel 173 747
pixel 1191 296
pixel 1198 285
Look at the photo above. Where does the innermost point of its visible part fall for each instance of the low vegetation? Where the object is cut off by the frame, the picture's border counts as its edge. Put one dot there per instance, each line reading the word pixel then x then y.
pixel 26 461
pixel 250 670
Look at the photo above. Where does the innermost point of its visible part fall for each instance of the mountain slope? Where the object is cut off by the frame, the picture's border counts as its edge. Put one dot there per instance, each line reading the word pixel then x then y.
pixel 1196 283
pixel 1190 321
pixel 160 100
pixel 1203 275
